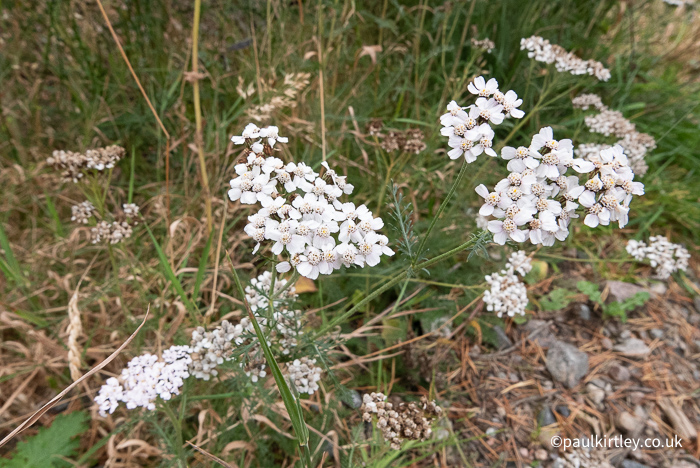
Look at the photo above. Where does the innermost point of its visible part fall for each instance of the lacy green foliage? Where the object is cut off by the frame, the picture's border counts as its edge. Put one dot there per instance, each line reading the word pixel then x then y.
pixel 557 299
pixel 481 240
pixel 51 444
pixel 617 309
pixel 401 213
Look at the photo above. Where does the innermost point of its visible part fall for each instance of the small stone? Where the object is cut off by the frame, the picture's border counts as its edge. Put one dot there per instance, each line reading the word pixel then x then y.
pixel 525 453
pixel 545 437
pixel 656 333
pixel 658 289
pixel 636 397
pixel 633 347
pixel 685 464
pixel 583 311
pixel 696 303
pixel 491 431
pixel 628 423
pixel 632 464
pixel 546 417
pixel 625 334
pixel 595 393
pixel 501 411
pixel 620 291
pixel 502 339
pixel 619 373
pixel 566 363
pixel 541 454
pixel 563 410
pixel 606 343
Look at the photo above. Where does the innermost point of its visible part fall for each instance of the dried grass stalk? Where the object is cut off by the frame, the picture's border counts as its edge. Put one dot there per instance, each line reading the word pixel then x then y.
pixel 41 411
pixel 75 330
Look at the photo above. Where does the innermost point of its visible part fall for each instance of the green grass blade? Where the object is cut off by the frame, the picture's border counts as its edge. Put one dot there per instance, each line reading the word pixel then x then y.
pixel 202 267
pixel 11 263
pixel 170 274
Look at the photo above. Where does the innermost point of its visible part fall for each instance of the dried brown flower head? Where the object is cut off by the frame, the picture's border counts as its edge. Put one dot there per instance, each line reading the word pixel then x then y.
pixel 405 421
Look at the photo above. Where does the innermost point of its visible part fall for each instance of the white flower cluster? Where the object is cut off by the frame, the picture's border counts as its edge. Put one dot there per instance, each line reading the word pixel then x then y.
pixel 540 198
pixel 470 133
pixel 318 233
pixel 146 378
pixel 131 210
pixel 610 122
pixel 485 44
pixel 664 256
pixel 258 292
pixel 304 374
pixel 564 61
pixel 113 232
pixel 585 101
pixel 211 348
pixel 283 329
pixel 73 166
pixel 82 212
pixel 507 293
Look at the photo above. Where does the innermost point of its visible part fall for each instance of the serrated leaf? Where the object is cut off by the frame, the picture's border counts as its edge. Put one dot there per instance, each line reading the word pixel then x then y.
pixel 51 444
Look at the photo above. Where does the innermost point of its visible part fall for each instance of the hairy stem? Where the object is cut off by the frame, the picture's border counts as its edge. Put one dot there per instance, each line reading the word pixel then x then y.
pixel 443 205
pixel 390 284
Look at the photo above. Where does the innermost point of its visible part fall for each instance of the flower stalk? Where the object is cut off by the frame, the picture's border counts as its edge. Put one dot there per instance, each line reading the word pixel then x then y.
pixel 291 401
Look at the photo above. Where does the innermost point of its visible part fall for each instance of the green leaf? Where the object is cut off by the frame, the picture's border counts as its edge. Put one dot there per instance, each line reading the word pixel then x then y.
pixel 590 290
pixel 638 300
pixel 50 444
pixel 615 310
pixel 170 274
pixel 557 299
pixel 10 265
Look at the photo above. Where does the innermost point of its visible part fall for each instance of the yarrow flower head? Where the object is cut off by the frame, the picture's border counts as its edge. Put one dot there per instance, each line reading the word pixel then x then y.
pixel 148 377
pixel 82 212
pixel 469 128
pixel 664 256
pixel 145 379
pixel 540 197
pixel 302 217
pixel 73 166
pixel 305 375
pixel 542 50
pixel 400 422
pixel 609 122
pixel 507 294
pixel 486 44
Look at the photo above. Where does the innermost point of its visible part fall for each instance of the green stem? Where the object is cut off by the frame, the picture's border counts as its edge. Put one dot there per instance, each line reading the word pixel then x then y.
pixel 291 402
pixel 443 205
pixel 178 431
pixel 401 293
pixel 390 284
pixel 286 286
pixel 199 140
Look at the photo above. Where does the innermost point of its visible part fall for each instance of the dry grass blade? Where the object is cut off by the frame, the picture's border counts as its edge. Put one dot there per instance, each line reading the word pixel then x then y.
pixel 209 455
pixel 75 329
pixel 39 413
